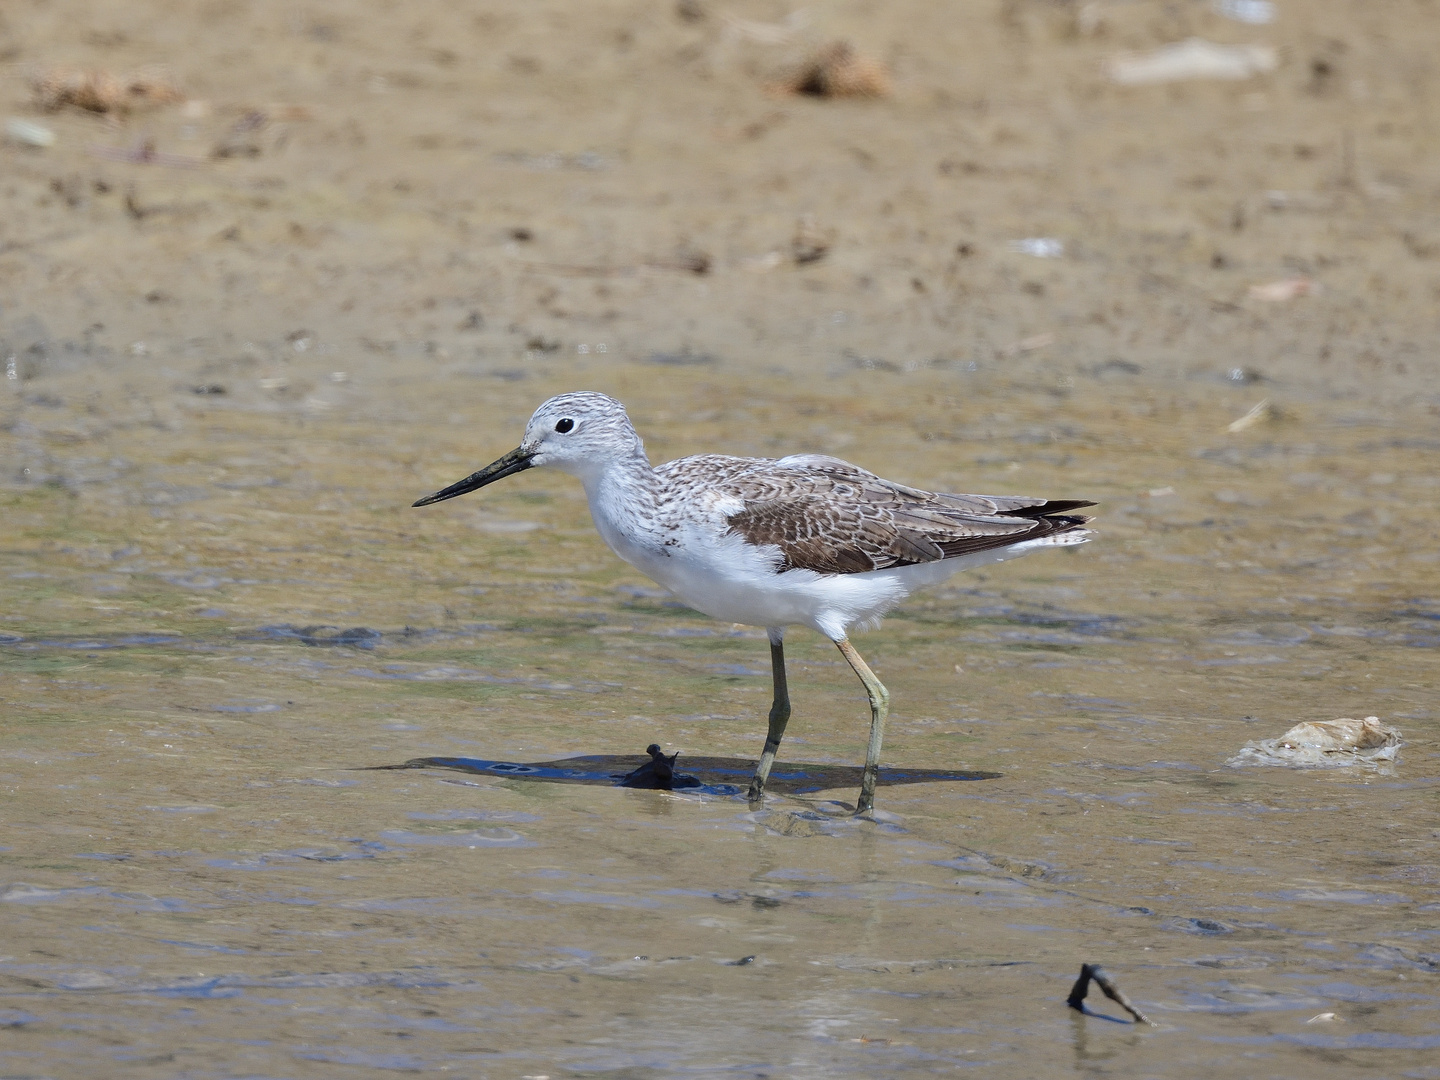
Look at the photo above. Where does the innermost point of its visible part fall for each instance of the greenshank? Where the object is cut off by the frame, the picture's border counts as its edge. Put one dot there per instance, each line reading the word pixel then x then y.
pixel 805 540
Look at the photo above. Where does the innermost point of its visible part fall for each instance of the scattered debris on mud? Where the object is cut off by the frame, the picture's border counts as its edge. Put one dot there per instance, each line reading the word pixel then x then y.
pixel 837 70
pixel 101 92
pixel 1327 744
pixel 658 773
pixel 1193 58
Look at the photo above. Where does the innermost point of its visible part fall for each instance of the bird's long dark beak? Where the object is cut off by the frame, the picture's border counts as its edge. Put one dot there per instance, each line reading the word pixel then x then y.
pixel 517 460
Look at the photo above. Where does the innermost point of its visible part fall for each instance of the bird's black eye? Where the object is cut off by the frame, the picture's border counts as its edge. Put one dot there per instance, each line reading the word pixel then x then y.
pixel 565 425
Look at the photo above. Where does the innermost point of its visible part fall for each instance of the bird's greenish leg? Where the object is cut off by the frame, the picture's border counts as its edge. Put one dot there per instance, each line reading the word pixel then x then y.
pixel 879 710
pixel 779 714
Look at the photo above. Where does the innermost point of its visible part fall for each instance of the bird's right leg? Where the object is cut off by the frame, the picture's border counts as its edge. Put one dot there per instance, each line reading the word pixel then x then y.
pixel 879 710
pixel 779 713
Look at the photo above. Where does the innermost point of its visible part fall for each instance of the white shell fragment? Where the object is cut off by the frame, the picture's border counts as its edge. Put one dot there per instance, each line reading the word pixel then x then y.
pixel 1327 744
pixel 1258 415
pixel 1254 12
pixel 1277 292
pixel 1042 247
pixel 29 133
pixel 1193 58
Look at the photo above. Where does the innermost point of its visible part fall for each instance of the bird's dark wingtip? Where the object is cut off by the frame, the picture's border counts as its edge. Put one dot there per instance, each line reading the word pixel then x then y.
pixel 1058 506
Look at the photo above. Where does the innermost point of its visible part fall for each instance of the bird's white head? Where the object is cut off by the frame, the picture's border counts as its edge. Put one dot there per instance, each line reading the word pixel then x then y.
pixel 582 433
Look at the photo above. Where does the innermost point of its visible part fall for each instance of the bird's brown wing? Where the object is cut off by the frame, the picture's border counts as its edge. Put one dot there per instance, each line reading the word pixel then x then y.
pixel 831 517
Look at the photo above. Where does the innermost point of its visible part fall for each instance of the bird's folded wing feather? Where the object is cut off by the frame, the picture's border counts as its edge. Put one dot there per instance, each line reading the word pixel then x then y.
pixel 826 515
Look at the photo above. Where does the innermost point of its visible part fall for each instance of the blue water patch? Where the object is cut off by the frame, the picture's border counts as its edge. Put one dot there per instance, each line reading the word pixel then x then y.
pixel 270 860
pixel 21 892
pixel 1362 1040
pixel 1393 956
pixel 1080 701
pixel 1238 661
pixel 201 579
pixel 474 838
pixel 1128 798
pixel 183 809
pixel 1208 927
pixel 205 988
pixel 392 1062
pixel 356 637
pixel 1226 997
pixel 735 669
pixel 445 673
pixel 92 644
pixel 581 896
pixel 1343 991
pixel 203 947
pixel 701 631
pixel 1335 896
pixel 1270 636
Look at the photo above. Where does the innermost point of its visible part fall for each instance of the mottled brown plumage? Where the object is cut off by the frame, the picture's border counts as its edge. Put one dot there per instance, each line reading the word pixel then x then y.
pixel 832 517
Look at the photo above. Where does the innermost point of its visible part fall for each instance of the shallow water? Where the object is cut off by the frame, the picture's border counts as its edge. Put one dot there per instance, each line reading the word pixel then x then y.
pixel 219 649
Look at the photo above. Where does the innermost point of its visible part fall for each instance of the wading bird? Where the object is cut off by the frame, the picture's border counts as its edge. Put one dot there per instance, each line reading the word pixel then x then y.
pixel 804 540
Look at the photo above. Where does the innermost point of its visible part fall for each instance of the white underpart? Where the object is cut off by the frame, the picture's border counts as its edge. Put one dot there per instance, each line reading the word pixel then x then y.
pixel 717 572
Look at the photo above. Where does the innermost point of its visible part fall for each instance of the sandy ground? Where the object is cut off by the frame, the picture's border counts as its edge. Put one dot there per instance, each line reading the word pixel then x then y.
pixel 494 188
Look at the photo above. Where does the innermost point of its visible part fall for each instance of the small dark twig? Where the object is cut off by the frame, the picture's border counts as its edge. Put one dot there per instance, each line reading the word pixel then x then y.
pixel 1106 984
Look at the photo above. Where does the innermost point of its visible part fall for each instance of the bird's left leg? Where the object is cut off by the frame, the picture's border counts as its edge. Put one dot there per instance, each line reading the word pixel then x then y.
pixel 879 710
pixel 779 713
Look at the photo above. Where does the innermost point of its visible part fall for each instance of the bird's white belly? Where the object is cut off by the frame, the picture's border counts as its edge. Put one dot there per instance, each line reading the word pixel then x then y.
pixel 733 581
pixel 826 602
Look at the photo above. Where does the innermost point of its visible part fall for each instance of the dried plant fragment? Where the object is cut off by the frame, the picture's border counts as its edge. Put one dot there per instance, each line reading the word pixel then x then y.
pixel 838 71
pixel 810 243
pixel 99 91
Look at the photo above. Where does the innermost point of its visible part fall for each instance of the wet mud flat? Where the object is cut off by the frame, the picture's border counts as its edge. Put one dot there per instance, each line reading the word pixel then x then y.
pixel 206 871
pixel 297 781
